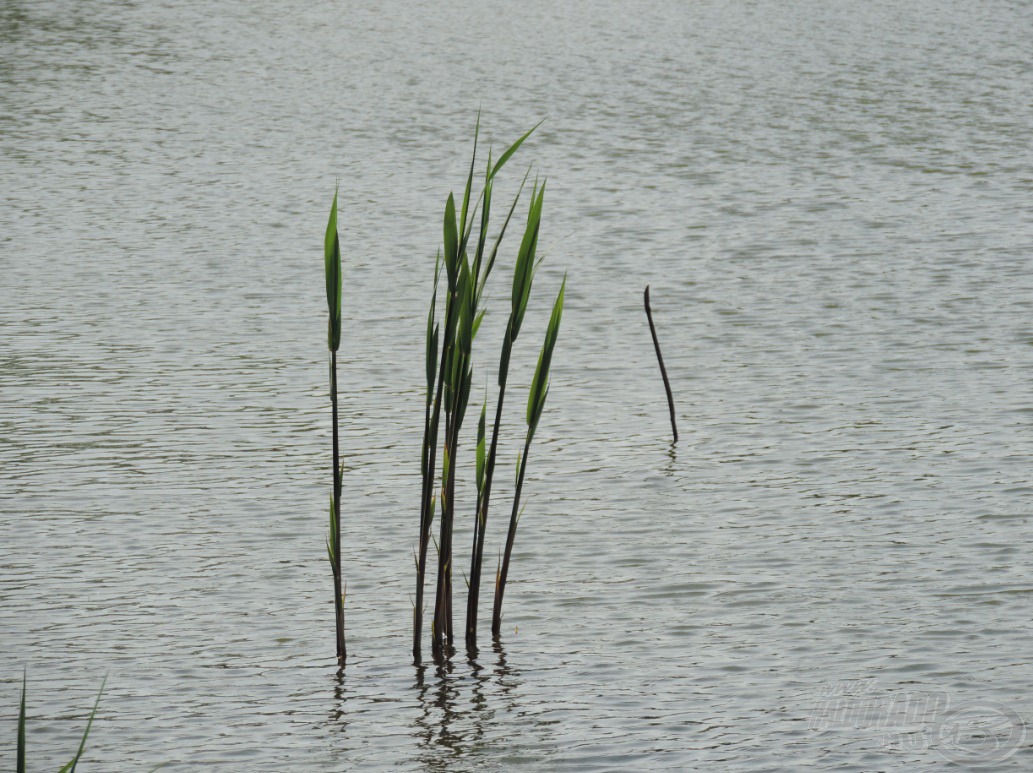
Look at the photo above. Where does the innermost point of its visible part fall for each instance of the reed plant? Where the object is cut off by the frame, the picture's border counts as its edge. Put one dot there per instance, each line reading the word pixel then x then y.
pixel 449 372
pixel 465 279
pixel 334 285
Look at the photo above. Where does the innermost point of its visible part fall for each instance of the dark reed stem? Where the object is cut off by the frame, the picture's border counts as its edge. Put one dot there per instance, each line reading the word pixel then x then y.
pixel 443 629
pixel 342 652
pixel 421 561
pixel 663 370
pixel 430 448
pixel 437 632
pixel 21 727
pixel 442 632
pixel 500 585
pixel 480 526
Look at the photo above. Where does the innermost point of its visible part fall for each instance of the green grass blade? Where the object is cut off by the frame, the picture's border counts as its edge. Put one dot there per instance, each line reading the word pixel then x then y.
pixel 523 273
pixel 432 331
pixel 477 322
pixel 333 532
pixel 70 767
pixel 513 149
pixel 498 240
pixel 451 237
pixel 540 383
pixel 332 265
pixel 328 251
pixel 467 311
pixel 482 237
pixel 469 178
pixel 432 360
pixel 464 394
pixel 481 447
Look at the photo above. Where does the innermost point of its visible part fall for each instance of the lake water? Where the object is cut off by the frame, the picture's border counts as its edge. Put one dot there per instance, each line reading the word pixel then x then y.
pixel 831 203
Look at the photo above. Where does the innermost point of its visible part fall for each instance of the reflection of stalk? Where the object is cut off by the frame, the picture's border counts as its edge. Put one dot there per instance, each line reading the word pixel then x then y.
pixel 663 370
pixel 332 261
pixel 535 407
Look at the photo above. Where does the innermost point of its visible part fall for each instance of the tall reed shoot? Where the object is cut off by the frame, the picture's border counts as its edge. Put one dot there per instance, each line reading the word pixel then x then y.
pixel 535 407
pixel 334 284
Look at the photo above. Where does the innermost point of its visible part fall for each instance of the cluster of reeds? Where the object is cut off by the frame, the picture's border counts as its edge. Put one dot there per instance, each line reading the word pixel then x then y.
pixel 449 360
pixel 467 265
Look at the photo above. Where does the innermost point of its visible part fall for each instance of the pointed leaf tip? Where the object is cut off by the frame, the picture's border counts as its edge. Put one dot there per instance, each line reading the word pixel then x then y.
pixel 513 149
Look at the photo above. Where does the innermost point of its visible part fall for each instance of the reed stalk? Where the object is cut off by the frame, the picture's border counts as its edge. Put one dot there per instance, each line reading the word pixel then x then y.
pixel 663 370
pixel 535 407
pixel 21 728
pixel 430 441
pixel 332 265
pixel 523 277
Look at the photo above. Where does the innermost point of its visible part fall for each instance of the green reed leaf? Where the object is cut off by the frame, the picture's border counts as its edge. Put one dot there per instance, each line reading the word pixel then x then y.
pixel 523 273
pixel 432 331
pixel 481 448
pixel 467 310
pixel 469 179
pixel 540 383
pixel 498 239
pixel 333 532
pixel 70 767
pixel 451 238
pixel 513 149
pixel 477 322
pixel 334 281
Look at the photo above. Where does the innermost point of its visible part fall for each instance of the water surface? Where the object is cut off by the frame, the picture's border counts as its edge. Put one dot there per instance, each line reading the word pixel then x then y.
pixel 830 201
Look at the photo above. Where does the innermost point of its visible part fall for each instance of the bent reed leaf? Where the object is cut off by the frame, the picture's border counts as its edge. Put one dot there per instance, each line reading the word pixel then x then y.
pixel 334 281
pixel 540 383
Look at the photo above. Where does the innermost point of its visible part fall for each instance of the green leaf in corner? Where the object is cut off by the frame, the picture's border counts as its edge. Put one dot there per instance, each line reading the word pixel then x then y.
pixel 70 767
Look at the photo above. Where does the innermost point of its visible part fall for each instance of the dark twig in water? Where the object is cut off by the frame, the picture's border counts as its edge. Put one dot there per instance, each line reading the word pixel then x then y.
pixel 663 370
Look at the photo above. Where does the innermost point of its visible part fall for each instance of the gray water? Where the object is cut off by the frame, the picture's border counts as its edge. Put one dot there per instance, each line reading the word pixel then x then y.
pixel 831 202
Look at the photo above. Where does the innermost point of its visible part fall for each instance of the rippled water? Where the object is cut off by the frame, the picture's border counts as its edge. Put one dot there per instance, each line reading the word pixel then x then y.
pixel 831 201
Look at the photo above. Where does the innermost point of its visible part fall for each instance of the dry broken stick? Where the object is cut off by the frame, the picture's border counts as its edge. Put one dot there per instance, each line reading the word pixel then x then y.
pixel 663 370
